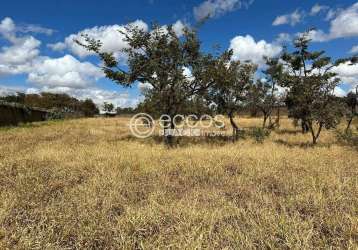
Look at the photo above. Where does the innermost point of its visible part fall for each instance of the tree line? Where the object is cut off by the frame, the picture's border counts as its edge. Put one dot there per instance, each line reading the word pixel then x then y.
pixel 60 104
pixel 182 78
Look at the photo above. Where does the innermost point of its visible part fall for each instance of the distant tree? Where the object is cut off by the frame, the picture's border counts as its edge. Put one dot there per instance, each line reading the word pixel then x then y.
pixel 108 107
pixel 89 108
pixel 311 84
pixel 274 78
pixel 125 111
pixel 351 101
pixel 259 97
pixel 161 59
pixel 233 80
pixel 16 98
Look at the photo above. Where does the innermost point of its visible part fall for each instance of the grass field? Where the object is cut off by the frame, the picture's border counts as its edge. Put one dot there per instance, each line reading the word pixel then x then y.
pixel 88 184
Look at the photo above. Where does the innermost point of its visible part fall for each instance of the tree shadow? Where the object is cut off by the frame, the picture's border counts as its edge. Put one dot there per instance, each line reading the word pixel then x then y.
pixel 304 145
pixel 182 141
pixel 287 132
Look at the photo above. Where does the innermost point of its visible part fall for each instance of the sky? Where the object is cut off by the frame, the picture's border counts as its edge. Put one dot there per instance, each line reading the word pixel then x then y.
pixel 37 52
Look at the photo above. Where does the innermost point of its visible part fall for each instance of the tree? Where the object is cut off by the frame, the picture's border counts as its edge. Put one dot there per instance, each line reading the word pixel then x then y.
pixel 259 96
pixel 89 108
pixel 232 83
pixel 351 101
pixel 274 78
pixel 311 83
pixel 173 66
pixel 108 107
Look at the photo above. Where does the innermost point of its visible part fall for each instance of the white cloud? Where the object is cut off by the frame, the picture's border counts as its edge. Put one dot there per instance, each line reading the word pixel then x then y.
pixel 338 91
pixel 216 8
pixel 246 48
pixel 354 49
pixel 66 71
pixel 317 8
pixel 8 28
pixel 318 36
pixel 283 37
pixel 292 19
pixel 348 73
pixel 60 46
pixel 111 38
pixel 178 28
pixel 345 24
pixel 17 57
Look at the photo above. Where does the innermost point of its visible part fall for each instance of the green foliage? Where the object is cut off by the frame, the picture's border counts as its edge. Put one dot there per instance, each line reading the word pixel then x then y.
pixel 57 103
pixel 311 84
pixel 108 107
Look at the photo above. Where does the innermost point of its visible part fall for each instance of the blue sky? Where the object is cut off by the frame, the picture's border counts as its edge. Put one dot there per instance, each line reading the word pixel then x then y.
pixel 36 56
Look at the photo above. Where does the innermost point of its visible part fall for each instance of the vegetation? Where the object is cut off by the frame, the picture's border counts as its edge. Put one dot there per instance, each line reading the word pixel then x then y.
pixel 311 84
pixel 57 103
pixel 86 183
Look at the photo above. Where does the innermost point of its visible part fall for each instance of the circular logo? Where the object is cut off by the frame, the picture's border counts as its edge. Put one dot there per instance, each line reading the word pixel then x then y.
pixel 142 125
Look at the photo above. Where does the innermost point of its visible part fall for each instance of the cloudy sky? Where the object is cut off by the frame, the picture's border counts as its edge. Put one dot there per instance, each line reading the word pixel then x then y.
pixel 37 52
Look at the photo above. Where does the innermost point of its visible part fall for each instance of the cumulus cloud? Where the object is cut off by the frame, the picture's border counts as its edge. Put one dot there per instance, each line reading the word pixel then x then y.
pixel 348 73
pixel 246 48
pixel 66 71
pixel 344 23
pixel 17 57
pixel 292 18
pixel 110 36
pixel 216 8
pixel 22 56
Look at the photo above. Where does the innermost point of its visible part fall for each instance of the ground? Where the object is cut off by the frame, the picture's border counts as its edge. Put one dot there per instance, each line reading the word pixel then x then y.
pixel 88 184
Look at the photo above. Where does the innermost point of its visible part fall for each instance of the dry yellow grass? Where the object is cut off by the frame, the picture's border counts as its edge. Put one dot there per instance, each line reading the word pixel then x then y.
pixel 87 184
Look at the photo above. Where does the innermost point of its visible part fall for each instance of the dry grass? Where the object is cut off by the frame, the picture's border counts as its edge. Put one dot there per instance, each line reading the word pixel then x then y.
pixel 88 184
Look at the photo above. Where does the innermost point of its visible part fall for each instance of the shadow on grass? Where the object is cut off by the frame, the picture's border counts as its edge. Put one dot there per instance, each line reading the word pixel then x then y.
pixel 183 141
pixel 302 144
pixel 287 132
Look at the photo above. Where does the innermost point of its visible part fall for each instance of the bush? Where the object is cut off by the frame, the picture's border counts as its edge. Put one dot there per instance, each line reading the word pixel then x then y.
pixel 259 134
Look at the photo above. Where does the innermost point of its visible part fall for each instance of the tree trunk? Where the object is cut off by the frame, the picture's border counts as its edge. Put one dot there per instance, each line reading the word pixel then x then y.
pixel 304 127
pixel 265 120
pixel 235 128
pixel 278 117
pixel 315 135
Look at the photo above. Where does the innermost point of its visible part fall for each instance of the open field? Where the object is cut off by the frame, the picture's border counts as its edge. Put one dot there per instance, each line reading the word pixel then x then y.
pixel 87 184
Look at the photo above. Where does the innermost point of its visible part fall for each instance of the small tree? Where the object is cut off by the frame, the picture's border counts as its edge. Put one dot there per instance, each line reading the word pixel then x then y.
pixel 232 83
pixel 274 78
pixel 260 97
pixel 108 107
pixel 311 83
pixel 89 108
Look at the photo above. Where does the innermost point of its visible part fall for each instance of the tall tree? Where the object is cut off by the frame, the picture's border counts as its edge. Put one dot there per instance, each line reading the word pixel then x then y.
pixel 232 83
pixel 173 66
pixel 274 78
pixel 259 97
pixel 311 83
